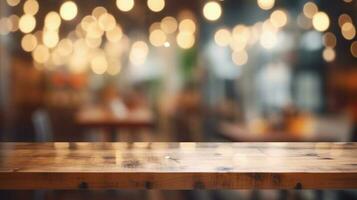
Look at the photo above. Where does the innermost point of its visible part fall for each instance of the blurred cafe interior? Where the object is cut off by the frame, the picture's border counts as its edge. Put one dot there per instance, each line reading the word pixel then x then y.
pixel 178 71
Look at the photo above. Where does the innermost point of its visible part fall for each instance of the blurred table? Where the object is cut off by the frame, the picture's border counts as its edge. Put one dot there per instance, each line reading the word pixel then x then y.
pixel 178 165
pixel 97 117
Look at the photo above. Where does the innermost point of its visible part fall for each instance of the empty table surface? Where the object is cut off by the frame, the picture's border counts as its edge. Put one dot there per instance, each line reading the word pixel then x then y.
pixel 178 165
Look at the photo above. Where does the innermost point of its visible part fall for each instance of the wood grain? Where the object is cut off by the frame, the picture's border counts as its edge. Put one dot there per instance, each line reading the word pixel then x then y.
pixel 178 165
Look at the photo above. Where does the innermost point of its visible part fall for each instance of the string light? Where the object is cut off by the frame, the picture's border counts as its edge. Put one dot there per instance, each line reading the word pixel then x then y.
pixel 31 7
pixel 310 9
pixel 321 21
pixel 156 5
pixel 212 11
pixel 348 31
pixel 68 10
pixel 329 54
pixel 28 42
pixel 266 4
pixel 27 23
pixel 12 3
pixel 157 38
pixel 223 37
pixel 168 24
pixel 354 49
pixel 125 5
pixel 278 18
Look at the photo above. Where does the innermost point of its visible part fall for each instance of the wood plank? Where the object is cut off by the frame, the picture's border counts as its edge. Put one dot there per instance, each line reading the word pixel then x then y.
pixel 178 165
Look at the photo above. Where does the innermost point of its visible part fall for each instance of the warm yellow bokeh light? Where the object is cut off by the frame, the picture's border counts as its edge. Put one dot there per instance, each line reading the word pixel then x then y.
pixel 348 31
pixel 65 47
pixel 107 22
pixel 321 21
pixel 31 7
pixel 99 11
pixel 94 31
pixel 344 18
pixel 278 18
pixel 12 2
pixel 168 25
pixel 310 9
pixel 187 26
pixel 68 10
pixel 329 54
pixel 27 23
pixel 93 42
pixel 125 5
pixel 157 38
pixel 354 49
pixel 99 64
pixel 156 5
pixel 212 11
pixel 87 21
pixel 240 57
pixel 114 35
pixel 223 37
pixel 240 35
pixel 329 40
pixel 268 39
pixel 138 53
pixel 266 4
pixel 50 38
pixel 52 21
pixel 28 42
pixel 185 40
pixel 41 54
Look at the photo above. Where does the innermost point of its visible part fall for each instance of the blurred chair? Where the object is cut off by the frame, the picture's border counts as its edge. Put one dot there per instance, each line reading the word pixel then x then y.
pixel 42 125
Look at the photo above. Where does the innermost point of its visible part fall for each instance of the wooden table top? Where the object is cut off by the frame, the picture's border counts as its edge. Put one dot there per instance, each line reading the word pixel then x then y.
pixel 178 165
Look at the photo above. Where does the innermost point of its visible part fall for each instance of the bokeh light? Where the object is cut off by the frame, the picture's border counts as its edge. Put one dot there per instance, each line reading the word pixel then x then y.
pixel 28 42
pixel 278 18
pixel 310 9
pixel 354 49
pixel 125 5
pixel 156 5
pixel 348 31
pixel 27 23
pixel 41 54
pixel 52 20
pixel 99 64
pixel 12 2
pixel 212 11
pixel 329 54
pixel 31 7
pixel 68 10
pixel 329 40
pixel 266 4
pixel 321 21
pixel 168 24
pixel 138 53
pixel 223 37
pixel 114 35
pixel 157 38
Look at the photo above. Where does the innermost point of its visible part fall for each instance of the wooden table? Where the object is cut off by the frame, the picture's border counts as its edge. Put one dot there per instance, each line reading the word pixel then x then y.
pixel 178 165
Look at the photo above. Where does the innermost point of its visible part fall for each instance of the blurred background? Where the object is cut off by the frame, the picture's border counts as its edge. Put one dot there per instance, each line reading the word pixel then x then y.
pixel 174 71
